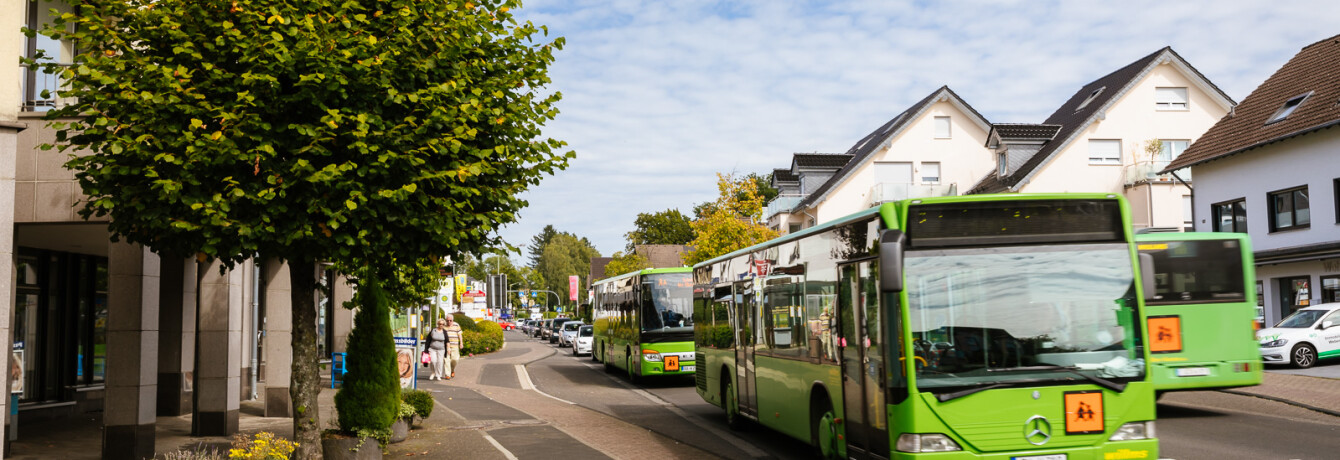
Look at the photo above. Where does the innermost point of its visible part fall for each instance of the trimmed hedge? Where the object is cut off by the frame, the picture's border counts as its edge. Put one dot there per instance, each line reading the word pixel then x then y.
pixel 486 338
pixel 467 323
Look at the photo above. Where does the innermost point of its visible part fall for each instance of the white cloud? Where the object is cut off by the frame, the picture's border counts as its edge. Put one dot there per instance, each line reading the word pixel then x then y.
pixel 658 96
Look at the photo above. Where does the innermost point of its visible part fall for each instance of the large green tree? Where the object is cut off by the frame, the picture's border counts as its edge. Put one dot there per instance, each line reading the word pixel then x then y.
pixel 358 132
pixel 537 243
pixel 665 227
pixel 564 256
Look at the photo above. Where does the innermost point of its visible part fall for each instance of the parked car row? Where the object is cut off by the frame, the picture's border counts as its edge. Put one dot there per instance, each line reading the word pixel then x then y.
pixel 564 332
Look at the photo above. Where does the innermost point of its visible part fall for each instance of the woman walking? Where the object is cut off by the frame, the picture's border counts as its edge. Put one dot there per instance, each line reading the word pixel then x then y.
pixel 436 344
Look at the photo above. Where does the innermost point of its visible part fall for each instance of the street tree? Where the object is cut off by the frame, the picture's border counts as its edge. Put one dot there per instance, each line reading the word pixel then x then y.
pixel 762 188
pixel 665 227
pixel 732 222
pixel 621 263
pixel 355 132
pixel 537 242
pixel 564 256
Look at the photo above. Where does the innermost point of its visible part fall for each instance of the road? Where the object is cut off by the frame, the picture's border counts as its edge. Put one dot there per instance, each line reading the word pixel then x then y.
pixel 1192 425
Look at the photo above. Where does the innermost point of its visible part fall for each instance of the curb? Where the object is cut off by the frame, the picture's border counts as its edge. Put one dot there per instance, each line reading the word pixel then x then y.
pixel 1285 401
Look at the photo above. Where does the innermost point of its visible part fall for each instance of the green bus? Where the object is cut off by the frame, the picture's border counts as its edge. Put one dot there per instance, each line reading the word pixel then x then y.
pixel 644 322
pixel 1202 312
pixel 983 326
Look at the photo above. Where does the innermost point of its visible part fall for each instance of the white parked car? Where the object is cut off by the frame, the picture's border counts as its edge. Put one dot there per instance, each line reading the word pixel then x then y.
pixel 1304 337
pixel 568 332
pixel 585 336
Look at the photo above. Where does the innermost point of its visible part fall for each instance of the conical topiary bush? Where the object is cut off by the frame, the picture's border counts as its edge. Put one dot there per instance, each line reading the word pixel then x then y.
pixel 370 398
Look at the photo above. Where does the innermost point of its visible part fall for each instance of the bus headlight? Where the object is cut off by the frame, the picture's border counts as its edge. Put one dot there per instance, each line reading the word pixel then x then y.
pixel 651 355
pixel 1133 431
pixel 935 442
pixel 1274 343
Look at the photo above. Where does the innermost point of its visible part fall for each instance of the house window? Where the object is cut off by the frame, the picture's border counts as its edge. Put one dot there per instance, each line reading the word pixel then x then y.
pixel 1170 98
pixel 1336 186
pixel 1260 304
pixel 1093 95
pixel 1170 150
pixel 1001 164
pixel 942 127
pixel 1230 216
pixel 33 81
pixel 1289 106
pixel 930 173
pixel 1330 288
pixel 1104 152
pixel 1289 209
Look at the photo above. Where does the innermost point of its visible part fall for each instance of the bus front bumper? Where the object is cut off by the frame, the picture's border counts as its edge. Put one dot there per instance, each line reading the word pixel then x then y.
pixel 1117 450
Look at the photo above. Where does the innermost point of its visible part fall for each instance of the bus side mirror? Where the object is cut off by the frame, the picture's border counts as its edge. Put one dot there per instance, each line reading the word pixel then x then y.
pixel 891 260
pixel 1147 276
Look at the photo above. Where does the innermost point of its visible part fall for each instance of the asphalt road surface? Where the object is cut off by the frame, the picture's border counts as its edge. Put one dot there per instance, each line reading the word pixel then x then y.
pixel 1191 425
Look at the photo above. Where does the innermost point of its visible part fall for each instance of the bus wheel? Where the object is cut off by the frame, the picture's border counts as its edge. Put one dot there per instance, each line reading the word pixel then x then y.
pixel 1304 356
pixel 632 376
pixel 733 418
pixel 825 432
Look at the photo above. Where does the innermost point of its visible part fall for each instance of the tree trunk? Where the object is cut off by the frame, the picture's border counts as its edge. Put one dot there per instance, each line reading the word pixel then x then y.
pixel 306 384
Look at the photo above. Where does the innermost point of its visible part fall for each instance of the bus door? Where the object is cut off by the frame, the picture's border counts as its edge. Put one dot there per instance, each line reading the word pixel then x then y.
pixel 860 342
pixel 746 316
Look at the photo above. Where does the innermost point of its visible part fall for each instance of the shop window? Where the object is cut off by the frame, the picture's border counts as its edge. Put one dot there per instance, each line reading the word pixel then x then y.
pixel 1330 289
pixel 1294 294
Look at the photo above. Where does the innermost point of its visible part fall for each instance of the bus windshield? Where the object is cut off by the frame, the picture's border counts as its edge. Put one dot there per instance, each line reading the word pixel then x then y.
pixel 1025 314
pixel 667 302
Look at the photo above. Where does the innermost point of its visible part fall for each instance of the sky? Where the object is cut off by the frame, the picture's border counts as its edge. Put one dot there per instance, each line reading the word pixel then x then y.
pixel 659 96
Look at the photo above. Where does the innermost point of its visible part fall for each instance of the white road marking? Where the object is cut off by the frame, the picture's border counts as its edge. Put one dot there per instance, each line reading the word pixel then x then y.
pixel 505 452
pixel 526 384
pixel 741 444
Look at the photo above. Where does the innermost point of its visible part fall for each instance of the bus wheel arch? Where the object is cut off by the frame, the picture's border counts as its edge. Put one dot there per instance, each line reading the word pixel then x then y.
pixel 824 423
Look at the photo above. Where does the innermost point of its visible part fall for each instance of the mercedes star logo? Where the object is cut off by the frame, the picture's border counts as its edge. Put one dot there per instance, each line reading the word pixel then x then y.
pixel 1037 430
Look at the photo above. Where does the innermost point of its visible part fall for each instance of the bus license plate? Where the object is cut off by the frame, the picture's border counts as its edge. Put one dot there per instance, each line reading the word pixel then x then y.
pixel 1041 457
pixel 1193 372
pixel 688 368
pixel 671 363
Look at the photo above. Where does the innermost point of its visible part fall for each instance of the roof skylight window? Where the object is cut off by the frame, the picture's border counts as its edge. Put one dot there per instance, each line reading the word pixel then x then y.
pixel 1289 106
pixel 1092 96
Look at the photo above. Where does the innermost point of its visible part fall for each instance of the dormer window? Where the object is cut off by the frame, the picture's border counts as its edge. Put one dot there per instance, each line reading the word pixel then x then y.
pixel 1092 96
pixel 1001 163
pixel 1289 106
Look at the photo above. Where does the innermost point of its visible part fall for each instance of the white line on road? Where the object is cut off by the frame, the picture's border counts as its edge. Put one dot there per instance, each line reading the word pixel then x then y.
pixel 741 444
pixel 526 384
pixel 505 452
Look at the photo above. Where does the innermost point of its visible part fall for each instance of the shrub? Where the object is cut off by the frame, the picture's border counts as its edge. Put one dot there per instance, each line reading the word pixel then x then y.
pixel 467 323
pixel 265 446
pixel 487 338
pixel 368 401
pixel 406 410
pixel 421 400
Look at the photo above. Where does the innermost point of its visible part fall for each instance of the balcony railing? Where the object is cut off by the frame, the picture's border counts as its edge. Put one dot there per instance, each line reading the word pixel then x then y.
pixel 894 191
pixel 32 82
pixel 1147 171
pixel 782 203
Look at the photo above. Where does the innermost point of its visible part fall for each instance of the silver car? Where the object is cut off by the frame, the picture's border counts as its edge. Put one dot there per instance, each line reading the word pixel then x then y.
pixel 568 332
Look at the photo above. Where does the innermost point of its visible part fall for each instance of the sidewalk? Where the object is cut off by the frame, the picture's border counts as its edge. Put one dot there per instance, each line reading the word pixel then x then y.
pixel 1316 393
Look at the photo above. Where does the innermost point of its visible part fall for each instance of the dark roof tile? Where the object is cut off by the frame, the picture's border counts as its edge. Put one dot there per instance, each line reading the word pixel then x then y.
pixel 820 160
pixel 1315 70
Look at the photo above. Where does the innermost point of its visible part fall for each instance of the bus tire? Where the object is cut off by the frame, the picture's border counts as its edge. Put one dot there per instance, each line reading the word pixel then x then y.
pixel 1303 356
pixel 734 420
pixel 633 377
pixel 823 429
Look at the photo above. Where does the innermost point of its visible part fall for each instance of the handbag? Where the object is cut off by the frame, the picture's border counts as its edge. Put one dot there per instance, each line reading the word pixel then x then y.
pixel 426 358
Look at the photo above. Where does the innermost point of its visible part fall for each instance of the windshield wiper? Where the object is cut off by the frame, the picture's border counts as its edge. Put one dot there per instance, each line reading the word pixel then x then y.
pixel 945 397
pixel 1073 370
